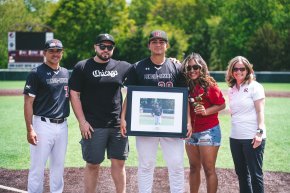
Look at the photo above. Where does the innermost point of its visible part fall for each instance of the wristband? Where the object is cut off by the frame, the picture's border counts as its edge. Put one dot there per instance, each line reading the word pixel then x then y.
pixel 260 131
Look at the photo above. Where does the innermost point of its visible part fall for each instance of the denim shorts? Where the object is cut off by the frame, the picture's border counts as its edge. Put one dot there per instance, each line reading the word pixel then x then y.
pixel 210 137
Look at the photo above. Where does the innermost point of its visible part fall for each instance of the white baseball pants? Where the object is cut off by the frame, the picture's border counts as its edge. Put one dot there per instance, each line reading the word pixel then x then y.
pixel 157 120
pixel 52 144
pixel 173 154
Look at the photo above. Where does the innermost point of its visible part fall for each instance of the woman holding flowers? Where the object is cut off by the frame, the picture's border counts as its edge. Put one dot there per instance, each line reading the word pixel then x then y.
pixel 205 101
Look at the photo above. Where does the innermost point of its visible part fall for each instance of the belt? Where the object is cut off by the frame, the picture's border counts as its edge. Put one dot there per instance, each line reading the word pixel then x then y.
pixel 57 121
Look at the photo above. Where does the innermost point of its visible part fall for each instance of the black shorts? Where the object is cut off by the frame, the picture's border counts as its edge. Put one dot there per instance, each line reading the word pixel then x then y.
pixel 105 138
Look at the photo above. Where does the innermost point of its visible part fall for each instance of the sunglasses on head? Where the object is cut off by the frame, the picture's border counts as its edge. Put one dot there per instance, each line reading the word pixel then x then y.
pixel 239 69
pixel 194 67
pixel 103 47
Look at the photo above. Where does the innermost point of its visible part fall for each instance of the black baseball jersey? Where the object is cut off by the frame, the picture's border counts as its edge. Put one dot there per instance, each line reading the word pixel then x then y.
pixel 50 89
pixel 146 73
pixel 100 90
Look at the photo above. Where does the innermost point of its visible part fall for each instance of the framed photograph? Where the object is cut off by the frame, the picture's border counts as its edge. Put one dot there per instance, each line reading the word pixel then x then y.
pixel 157 111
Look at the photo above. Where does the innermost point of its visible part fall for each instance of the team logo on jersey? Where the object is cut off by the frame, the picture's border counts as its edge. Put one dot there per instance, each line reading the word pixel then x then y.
pixel 57 80
pixel 157 76
pixel 27 86
pixel 98 73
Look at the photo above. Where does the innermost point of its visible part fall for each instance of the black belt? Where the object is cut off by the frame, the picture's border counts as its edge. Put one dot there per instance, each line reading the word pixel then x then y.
pixel 57 121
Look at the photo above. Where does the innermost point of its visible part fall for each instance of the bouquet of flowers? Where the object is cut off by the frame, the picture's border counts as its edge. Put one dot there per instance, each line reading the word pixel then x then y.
pixel 196 100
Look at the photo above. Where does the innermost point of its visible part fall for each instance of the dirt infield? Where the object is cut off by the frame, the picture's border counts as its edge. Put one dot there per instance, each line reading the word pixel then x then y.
pixel 11 92
pixel 275 182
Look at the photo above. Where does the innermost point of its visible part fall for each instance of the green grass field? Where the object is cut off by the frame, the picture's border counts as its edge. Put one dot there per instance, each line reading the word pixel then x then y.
pixel 14 152
pixel 222 85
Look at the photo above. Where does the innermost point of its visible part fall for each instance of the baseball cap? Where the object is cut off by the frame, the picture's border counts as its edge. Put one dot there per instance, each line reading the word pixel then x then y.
pixel 53 44
pixel 158 34
pixel 104 37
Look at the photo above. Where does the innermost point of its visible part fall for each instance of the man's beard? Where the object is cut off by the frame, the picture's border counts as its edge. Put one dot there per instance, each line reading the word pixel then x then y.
pixel 105 56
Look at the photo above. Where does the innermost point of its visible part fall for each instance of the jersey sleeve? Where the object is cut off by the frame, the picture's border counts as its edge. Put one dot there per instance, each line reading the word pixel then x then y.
pixel 132 78
pixel 180 77
pixel 181 80
pixel 76 78
pixel 128 69
pixel 31 84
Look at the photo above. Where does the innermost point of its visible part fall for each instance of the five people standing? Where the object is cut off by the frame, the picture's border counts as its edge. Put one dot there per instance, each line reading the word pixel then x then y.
pixel 95 93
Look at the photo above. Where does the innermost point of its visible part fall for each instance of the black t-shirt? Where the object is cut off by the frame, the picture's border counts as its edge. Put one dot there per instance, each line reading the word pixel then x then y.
pixel 146 73
pixel 50 89
pixel 100 90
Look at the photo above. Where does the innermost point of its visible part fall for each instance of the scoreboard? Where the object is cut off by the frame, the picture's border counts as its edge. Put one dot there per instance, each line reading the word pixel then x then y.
pixel 25 49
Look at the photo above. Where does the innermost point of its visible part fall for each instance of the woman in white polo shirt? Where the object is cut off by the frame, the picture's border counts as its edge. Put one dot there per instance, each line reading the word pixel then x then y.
pixel 248 134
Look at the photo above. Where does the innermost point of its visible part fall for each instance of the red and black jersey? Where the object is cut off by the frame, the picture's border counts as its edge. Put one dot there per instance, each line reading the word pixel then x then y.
pixel 50 89
pixel 146 73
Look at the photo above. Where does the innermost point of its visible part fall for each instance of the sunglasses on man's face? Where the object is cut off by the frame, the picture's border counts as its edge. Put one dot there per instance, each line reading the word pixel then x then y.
pixel 194 67
pixel 103 47
pixel 239 69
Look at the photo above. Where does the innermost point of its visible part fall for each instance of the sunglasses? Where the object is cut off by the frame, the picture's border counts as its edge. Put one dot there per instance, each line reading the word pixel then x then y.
pixel 239 69
pixel 103 47
pixel 194 67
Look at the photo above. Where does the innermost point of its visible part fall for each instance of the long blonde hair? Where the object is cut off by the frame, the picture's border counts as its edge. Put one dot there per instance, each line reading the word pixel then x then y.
pixel 204 80
pixel 231 81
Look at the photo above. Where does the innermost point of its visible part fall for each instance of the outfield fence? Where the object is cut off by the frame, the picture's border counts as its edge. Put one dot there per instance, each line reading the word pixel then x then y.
pixel 262 76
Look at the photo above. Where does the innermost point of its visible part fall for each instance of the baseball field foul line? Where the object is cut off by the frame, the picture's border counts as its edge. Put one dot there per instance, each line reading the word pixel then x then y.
pixel 12 189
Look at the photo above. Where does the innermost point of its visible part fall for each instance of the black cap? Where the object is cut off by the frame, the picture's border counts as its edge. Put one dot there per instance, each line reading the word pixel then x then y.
pixel 105 37
pixel 53 44
pixel 158 34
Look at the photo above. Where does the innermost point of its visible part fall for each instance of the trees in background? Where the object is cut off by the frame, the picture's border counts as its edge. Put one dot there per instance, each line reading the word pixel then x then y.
pixel 218 30
pixel 78 22
pixel 253 28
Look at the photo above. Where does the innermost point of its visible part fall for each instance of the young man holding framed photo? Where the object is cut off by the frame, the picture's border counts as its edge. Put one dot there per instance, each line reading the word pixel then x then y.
pixel 159 71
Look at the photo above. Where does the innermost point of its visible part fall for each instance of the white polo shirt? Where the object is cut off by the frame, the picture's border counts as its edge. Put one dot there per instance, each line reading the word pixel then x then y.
pixel 243 112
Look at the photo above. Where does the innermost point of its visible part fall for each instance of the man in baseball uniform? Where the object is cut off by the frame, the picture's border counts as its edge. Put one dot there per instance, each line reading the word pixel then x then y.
pixel 96 99
pixel 157 70
pixel 46 106
pixel 156 113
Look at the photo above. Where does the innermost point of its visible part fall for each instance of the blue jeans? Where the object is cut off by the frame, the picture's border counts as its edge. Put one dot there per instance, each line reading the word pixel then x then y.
pixel 248 164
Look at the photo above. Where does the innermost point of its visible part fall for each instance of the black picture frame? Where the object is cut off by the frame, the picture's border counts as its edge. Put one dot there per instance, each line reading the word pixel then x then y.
pixel 141 121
